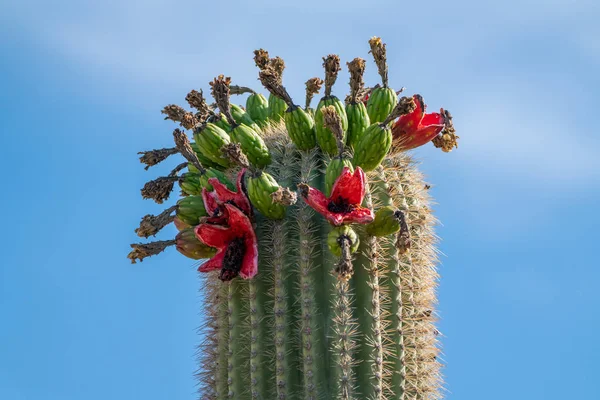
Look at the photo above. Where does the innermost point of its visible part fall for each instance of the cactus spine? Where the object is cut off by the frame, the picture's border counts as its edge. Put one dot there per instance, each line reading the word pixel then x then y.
pixel 338 265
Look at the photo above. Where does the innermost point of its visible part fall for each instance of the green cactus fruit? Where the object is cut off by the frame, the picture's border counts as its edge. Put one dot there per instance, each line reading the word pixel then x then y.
pixel 333 241
pixel 259 190
pixel 372 147
pixel 242 117
pixel 221 122
pixel 209 140
pixel 277 108
pixel 386 222
pixel 193 181
pixel 257 107
pixel 252 145
pixel 188 244
pixel 301 127
pixel 382 101
pixel 190 209
pixel 205 161
pixel 333 171
pixel 325 138
pixel 180 225
pixel 358 122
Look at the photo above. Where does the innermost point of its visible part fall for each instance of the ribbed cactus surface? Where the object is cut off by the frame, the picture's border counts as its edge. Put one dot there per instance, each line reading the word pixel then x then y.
pixel 321 276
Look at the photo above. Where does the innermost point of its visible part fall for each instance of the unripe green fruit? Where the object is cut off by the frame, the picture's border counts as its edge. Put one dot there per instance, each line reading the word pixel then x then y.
pixel 372 148
pixel 209 140
pixel 205 161
pixel 277 108
pixel 242 117
pixel 222 123
pixel 257 107
pixel 190 209
pixel 259 192
pixel 325 138
pixel 188 244
pixel 358 122
pixel 386 222
pixel 300 127
pixel 333 239
pixel 381 103
pixel 252 145
pixel 193 182
pixel 333 171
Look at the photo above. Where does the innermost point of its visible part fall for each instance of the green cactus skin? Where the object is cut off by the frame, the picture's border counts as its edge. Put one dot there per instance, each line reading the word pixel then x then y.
pixel 277 108
pixel 381 103
pixel 242 117
pixel 332 239
pixel 222 123
pixel 358 122
pixel 257 107
pixel 209 140
pixel 333 171
pixel 205 161
pixel 301 128
pixel 190 209
pixel 252 145
pixel 259 192
pixel 372 148
pixel 325 138
pixel 296 331
pixel 385 222
pixel 193 181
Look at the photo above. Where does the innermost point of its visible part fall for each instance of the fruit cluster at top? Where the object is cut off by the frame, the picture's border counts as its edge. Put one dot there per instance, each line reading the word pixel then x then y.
pixel 215 218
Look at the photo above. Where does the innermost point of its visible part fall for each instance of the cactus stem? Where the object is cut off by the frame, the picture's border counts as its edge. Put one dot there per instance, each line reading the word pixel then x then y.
pixel 236 362
pixel 307 230
pixel 153 157
pixel 208 350
pixel 259 370
pixel 344 330
pixel 223 349
pixel 152 224
pixel 313 86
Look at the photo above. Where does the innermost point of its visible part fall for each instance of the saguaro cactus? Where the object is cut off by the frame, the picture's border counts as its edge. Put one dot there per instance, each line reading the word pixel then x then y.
pixel 321 277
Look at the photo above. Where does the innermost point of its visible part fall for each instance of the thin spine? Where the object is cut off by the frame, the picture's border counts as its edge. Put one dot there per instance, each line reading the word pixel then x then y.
pixel 367 295
pixel 376 357
pixel 428 378
pixel 397 355
pixel 208 350
pixel 419 277
pixel 237 359
pixel 223 343
pixel 259 368
pixel 307 236
pixel 344 343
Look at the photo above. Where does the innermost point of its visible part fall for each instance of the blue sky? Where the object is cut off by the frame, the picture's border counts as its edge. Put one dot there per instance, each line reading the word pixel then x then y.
pixel 81 87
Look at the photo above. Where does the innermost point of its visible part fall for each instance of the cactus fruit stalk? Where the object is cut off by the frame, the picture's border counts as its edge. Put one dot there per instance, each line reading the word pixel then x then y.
pixel 321 272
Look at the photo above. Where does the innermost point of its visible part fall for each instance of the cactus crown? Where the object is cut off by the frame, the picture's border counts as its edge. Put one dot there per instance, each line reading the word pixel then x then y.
pixel 320 279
